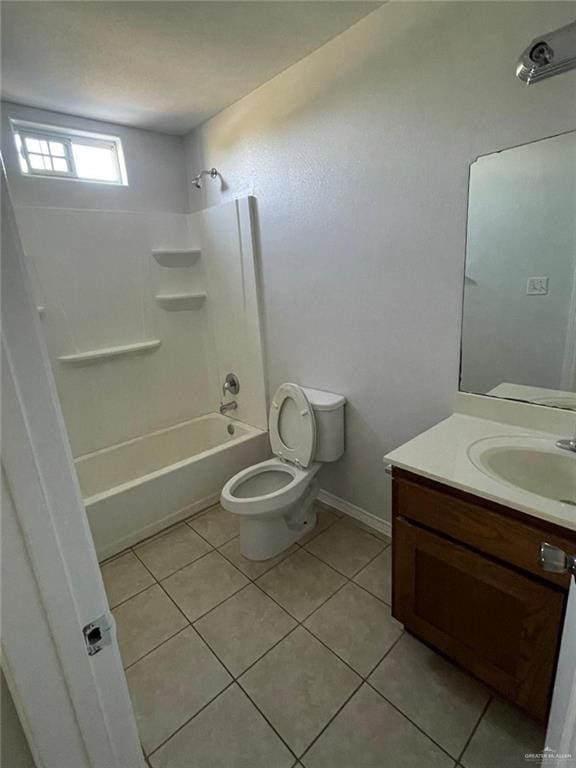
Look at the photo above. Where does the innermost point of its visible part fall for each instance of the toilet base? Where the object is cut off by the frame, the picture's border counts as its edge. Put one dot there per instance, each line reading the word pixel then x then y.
pixel 265 536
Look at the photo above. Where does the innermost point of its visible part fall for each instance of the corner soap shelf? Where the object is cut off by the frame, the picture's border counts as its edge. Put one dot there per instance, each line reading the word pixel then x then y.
pixel 176 302
pixel 174 258
pixel 107 353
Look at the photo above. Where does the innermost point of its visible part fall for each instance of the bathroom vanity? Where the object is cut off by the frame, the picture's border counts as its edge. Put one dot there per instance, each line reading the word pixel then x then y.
pixel 476 496
pixel 466 542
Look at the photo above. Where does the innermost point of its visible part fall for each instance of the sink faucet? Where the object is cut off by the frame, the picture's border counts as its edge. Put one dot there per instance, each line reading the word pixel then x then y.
pixel 231 406
pixel 568 445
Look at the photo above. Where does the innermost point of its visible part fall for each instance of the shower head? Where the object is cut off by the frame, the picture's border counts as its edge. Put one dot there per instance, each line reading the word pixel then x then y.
pixel 548 55
pixel 197 180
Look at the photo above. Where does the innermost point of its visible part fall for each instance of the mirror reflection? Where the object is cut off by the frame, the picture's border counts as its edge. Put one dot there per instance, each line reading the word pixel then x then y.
pixel 519 313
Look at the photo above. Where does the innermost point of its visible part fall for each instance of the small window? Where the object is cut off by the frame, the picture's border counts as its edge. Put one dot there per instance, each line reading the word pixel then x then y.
pixel 55 152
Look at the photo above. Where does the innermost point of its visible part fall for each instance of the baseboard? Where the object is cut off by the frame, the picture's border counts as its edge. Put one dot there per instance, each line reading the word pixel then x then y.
pixel 356 512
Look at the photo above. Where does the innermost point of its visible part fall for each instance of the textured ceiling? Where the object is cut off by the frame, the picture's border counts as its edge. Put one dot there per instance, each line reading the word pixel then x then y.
pixel 166 66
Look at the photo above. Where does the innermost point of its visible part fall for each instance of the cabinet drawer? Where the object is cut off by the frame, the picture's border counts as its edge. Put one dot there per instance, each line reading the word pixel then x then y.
pixel 469 521
pixel 499 624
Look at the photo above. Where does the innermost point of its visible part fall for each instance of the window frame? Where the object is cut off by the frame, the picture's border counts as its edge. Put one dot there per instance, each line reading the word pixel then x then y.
pixel 67 136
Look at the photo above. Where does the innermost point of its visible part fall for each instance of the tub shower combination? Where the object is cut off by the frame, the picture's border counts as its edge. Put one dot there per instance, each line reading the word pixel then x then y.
pixel 137 488
pixel 143 325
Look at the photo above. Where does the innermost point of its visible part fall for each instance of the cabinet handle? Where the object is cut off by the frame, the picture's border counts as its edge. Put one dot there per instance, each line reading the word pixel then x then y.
pixel 555 560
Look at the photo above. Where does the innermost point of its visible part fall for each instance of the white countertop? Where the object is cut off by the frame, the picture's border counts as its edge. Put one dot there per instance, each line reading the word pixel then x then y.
pixel 441 454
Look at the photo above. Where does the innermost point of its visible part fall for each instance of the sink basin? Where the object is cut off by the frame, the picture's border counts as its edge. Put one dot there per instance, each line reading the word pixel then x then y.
pixel 528 463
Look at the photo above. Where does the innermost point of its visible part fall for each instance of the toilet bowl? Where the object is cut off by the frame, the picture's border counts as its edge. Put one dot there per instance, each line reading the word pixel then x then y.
pixel 275 498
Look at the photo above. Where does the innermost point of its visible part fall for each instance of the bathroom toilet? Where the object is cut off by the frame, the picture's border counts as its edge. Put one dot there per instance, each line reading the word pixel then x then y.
pixel 275 498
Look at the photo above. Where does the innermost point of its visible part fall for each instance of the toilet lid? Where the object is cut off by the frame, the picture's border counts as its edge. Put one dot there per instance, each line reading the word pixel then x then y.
pixel 292 425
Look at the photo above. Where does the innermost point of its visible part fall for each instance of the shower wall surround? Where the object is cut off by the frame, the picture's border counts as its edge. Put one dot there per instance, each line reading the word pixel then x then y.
pixel 100 287
pixel 96 279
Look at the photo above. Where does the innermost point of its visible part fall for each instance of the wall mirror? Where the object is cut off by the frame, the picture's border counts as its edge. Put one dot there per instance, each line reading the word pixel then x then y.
pixel 519 313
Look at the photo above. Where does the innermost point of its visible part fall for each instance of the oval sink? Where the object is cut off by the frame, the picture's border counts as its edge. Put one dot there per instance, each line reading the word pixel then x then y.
pixel 530 464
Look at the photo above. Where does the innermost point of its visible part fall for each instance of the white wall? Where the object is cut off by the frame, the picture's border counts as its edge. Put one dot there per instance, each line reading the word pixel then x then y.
pixel 358 156
pixel 96 278
pixel 156 173
pixel 94 274
pixel 521 224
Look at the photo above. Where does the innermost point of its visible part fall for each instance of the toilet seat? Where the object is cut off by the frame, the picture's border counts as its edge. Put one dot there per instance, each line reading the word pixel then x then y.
pixel 286 494
pixel 292 425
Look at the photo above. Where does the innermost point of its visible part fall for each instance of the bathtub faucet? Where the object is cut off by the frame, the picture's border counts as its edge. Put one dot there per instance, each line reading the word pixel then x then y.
pixel 231 406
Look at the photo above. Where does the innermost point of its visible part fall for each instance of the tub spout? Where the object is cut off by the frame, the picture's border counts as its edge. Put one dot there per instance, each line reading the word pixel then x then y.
pixel 231 406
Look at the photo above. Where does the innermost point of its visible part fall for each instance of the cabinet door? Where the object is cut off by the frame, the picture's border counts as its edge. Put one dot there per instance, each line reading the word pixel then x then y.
pixel 497 623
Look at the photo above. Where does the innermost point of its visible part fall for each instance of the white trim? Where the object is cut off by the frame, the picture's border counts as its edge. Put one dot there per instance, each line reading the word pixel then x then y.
pixel 70 136
pixel 94 709
pixel 383 526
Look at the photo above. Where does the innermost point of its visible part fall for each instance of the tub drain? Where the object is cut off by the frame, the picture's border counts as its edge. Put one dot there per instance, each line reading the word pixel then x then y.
pixel 230 429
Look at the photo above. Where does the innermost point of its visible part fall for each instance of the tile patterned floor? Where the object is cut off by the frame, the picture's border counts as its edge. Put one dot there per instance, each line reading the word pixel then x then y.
pixel 292 662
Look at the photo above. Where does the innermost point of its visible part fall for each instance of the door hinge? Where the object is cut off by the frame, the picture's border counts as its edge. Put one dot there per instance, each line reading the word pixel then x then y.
pixel 98 634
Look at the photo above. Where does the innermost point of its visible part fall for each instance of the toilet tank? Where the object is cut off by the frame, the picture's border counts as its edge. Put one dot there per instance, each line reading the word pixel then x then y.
pixel 329 416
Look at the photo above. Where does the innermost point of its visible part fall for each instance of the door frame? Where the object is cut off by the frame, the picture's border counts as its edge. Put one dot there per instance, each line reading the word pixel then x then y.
pixel 75 708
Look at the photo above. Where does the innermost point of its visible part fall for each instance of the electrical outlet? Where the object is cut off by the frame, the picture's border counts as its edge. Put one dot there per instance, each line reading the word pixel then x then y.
pixel 537 286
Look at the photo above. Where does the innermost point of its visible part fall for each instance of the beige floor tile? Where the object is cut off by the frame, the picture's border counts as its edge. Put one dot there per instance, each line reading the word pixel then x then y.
pixel 370 733
pixel 377 576
pixel 229 733
pixel 299 685
pixel 432 692
pixel 216 525
pixel 345 547
pixel 502 739
pixel 202 585
pixel 124 577
pixel 252 568
pixel 171 550
pixel 356 626
pixel 324 519
pixel 244 627
pixel 301 583
pixel 170 685
pixel 145 621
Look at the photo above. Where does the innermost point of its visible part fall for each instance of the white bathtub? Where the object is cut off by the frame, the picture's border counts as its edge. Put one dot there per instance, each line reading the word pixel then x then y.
pixel 137 488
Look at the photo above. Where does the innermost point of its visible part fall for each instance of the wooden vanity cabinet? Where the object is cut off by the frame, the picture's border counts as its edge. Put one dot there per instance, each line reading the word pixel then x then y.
pixel 466 580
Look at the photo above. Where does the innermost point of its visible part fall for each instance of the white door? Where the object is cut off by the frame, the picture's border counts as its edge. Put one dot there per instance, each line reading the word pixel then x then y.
pixel 74 707
pixel 561 733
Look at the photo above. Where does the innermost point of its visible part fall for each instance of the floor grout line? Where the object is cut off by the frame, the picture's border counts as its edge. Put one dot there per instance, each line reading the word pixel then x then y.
pixel 331 720
pixel 253 580
pixel 264 717
pixel 362 679
pixel 127 600
pixel 164 578
pixel 166 640
pixel 156 535
pixel 384 546
pixel 202 708
pixel 467 744
pixel 405 716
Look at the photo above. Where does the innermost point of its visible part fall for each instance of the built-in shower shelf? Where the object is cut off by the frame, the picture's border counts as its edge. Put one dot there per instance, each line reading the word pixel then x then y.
pixel 176 302
pixel 174 258
pixel 108 353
